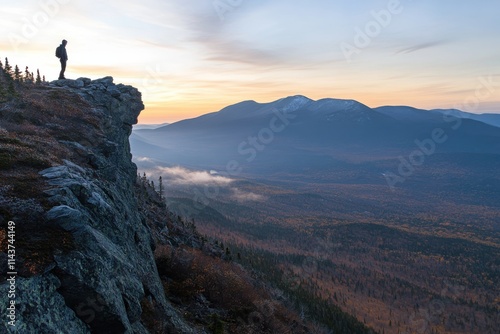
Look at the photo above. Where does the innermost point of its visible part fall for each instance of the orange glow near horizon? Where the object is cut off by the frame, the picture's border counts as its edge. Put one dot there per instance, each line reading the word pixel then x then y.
pixel 176 110
pixel 188 61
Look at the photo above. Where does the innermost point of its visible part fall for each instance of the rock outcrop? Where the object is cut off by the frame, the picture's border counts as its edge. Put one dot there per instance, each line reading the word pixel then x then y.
pixel 101 285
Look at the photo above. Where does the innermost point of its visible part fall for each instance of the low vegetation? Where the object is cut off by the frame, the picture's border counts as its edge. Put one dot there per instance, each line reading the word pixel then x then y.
pixel 29 125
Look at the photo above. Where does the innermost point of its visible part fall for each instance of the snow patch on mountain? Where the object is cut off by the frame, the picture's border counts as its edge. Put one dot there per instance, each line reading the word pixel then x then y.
pixel 336 109
pixel 294 103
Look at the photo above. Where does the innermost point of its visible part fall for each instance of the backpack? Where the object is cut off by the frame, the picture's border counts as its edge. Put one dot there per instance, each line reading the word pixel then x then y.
pixel 58 52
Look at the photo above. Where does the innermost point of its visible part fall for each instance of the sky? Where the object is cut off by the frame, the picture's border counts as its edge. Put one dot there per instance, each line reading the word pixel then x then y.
pixel 191 57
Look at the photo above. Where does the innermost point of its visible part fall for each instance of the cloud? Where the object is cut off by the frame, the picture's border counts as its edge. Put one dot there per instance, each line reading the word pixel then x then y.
pixel 421 46
pixel 144 159
pixel 237 39
pixel 243 196
pixel 183 176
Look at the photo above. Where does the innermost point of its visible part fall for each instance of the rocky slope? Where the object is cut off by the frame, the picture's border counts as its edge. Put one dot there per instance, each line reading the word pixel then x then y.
pixel 97 265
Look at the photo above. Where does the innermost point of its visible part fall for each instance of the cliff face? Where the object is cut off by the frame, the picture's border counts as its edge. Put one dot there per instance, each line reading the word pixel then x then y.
pixel 97 267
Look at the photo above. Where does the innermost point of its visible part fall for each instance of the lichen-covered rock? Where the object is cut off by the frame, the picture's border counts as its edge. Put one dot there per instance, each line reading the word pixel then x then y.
pixel 99 286
pixel 41 309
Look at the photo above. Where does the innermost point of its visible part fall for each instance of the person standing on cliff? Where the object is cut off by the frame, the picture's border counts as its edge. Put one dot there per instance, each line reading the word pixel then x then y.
pixel 63 57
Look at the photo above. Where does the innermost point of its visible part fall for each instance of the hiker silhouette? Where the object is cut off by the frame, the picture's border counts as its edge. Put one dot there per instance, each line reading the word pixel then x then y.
pixel 63 57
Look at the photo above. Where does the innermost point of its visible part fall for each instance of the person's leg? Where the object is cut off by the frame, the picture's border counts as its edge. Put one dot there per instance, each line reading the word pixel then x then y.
pixel 63 69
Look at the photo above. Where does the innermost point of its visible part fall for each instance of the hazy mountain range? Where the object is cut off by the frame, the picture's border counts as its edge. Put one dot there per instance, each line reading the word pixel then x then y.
pixel 149 126
pixel 299 133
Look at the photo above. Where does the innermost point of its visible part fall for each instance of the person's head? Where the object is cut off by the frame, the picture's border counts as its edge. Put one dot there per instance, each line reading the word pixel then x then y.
pixel 64 42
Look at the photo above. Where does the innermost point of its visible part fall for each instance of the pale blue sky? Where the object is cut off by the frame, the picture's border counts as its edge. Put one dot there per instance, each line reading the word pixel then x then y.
pixel 195 56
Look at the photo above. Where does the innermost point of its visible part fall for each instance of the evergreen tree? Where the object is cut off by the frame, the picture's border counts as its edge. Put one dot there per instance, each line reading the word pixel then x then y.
pixel 17 75
pixel 3 93
pixel 7 89
pixel 8 68
pixel 29 77
pixel 160 188
pixel 11 91
pixel 38 78
pixel 26 75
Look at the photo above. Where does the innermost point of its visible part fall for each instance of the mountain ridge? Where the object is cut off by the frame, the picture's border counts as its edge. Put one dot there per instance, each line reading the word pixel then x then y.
pixel 295 102
pixel 299 127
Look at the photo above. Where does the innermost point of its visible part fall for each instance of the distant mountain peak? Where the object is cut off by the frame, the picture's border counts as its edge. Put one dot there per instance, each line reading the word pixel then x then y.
pixel 297 98
pixel 407 113
pixel 293 103
pixel 339 104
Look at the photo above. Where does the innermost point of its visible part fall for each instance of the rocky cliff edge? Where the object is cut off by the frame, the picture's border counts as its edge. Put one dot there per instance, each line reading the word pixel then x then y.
pixel 85 255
